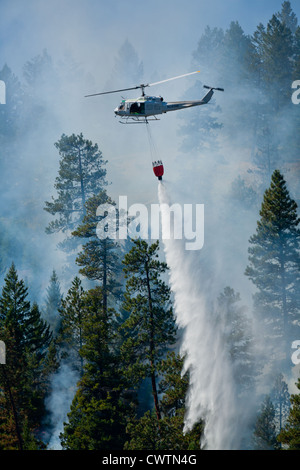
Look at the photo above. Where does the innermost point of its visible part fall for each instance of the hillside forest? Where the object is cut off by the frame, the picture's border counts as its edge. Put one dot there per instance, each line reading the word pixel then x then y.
pixel 93 359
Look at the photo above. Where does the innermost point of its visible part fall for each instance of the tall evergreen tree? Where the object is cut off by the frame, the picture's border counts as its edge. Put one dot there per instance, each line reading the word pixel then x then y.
pixel 239 340
pixel 296 70
pixel 274 265
pixel 70 336
pixel 127 67
pixel 81 174
pixel 100 255
pixel 290 435
pixel 11 114
pixel 98 413
pixel 150 327
pixel 53 302
pixel 276 61
pixel 264 436
pixel 15 308
pixel 272 63
pixel 147 432
pixel 287 16
pixel 23 380
pixel 281 400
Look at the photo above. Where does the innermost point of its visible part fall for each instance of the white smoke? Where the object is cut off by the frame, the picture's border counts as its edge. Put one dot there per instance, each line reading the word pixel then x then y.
pixel 211 394
pixel 58 403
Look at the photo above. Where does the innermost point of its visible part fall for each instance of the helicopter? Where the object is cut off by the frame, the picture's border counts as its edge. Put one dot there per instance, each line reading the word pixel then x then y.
pixel 145 108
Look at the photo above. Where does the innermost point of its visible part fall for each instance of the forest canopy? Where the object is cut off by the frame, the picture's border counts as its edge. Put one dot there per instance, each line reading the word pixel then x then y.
pixel 93 356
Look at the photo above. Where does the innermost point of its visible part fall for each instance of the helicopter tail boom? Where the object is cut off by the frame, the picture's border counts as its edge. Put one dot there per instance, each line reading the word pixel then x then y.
pixel 176 105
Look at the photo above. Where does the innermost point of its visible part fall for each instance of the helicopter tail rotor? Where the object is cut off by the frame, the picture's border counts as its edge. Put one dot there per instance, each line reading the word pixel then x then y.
pixel 213 88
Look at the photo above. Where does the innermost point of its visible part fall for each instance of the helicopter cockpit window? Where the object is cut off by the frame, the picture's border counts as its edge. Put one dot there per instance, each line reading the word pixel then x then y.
pixel 121 107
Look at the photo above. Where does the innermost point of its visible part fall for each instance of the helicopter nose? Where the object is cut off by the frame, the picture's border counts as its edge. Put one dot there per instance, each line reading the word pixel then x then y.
pixel 116 110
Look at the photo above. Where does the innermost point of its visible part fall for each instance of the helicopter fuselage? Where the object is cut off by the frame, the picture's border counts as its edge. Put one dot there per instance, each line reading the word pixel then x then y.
pixel 143 106
pixel 151 106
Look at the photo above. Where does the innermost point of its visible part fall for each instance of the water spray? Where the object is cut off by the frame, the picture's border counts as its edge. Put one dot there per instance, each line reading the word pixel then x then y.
pixel 211 391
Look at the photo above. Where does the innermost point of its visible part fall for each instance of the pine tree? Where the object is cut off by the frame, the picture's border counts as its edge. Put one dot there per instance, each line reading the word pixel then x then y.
pixel 239 340
pixel 15 309
pixel 276 61
pixel 53 302
pixel 23 379
pixel 41 81
pixel 98 413
pixel 174 386
pixel 290 435
pixel 235 53
pixel 70 336
pixel 274 265
pixel 81 174
pixel 281 400
pixel 265 429
pixel 11 115
pixel 296 71
pixel 272 64
pixel 147 433
pixel 38 70
pixel 293 138
pixel 100 256
pixel 150 327
pixel 127 67
pixel 211 40
pixel 200 129
pixel 288 17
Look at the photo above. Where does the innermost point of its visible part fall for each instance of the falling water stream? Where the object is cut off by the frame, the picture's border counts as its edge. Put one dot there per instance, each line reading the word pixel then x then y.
pixel 211 392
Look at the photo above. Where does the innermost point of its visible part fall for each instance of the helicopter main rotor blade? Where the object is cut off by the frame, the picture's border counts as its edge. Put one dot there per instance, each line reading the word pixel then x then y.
pixel 142 86
pixel 174 78
pixel 114 91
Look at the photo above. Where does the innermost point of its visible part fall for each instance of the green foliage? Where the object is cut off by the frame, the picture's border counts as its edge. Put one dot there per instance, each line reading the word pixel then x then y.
pixel 80 176
pixel 288 17
pixel 242 193
pixel 113 361
pixel 274 263
pixel 150 326
pixel 290 435
pixel 70 335
pixel 100 257
pixel 265 428
pixel 281 400
pixel 23 379
pixel 239 340
pixel 97 418
pixel 148 433
pixel 53 303
pixel 276 54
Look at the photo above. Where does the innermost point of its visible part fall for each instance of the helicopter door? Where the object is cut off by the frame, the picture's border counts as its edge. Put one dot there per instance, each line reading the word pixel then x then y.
pixel 137 108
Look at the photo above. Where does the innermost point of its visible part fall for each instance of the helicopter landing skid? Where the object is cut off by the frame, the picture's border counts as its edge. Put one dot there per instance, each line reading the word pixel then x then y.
pixel 137 120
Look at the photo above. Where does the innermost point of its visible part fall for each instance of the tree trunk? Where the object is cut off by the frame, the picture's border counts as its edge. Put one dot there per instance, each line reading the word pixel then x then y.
pixel 104 285
pixel 12 403
pixel 284 303
pixel 151 345
pixel 81 182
